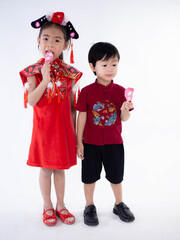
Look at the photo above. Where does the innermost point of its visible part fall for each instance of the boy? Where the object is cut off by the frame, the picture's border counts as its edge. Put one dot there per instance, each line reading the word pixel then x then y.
pixel 102 106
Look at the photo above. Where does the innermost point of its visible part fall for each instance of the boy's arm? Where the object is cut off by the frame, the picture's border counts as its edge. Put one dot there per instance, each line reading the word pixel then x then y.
pixel 80 129
pixel 125 114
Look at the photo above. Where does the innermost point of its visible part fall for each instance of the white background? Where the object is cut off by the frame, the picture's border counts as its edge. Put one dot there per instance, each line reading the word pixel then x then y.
pixel 147 34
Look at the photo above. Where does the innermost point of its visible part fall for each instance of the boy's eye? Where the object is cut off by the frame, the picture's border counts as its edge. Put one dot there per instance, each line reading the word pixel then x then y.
pixel 114 65
pixel 104 65
pixel 57 40
pixel 45 39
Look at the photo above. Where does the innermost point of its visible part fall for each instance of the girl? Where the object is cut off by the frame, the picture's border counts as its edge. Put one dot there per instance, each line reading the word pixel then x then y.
pixel 48 88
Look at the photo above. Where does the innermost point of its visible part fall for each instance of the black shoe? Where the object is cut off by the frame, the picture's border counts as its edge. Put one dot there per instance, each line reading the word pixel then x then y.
pixel 123 212
pixel 90 216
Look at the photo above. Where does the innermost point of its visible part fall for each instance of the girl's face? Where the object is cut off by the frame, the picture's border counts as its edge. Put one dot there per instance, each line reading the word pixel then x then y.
pixel 52 39
pixel 105 70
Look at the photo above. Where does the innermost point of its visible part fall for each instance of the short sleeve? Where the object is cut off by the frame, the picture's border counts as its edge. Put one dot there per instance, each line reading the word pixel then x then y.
pixel 82 101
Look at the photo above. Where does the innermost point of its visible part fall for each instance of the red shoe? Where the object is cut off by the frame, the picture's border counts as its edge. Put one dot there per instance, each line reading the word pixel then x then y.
pixel 67 217
pixel 49 220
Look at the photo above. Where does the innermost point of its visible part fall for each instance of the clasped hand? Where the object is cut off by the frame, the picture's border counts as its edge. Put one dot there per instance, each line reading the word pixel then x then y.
pixel 126 106
pixel 45 70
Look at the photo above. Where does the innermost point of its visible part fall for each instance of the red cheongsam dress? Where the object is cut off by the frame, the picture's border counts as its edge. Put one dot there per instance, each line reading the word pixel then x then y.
pixel 53 143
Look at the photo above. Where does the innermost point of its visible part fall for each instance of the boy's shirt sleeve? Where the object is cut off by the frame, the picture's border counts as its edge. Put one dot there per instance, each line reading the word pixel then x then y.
pixel 82 101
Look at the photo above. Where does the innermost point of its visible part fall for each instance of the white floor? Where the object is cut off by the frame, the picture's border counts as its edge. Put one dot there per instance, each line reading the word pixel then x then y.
pixel 157 211
pixel 27 225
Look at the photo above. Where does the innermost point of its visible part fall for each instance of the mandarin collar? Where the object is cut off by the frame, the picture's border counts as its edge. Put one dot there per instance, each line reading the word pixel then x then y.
pixel 101 86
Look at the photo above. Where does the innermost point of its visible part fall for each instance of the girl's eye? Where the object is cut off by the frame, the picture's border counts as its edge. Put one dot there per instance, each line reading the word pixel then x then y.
pixel 45 39
pixel 114 65
pixel 104 65
pixel 57 40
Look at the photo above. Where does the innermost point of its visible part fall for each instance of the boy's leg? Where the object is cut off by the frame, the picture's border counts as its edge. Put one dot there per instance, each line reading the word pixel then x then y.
pixel 121 209
pixel 89 193
pixel 91 169
pixel 90 214
pixel 113 160
pixel 117 190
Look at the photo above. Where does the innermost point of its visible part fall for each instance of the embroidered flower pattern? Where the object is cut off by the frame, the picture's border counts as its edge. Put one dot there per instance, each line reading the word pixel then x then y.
pixel 60 74
pixel 105 113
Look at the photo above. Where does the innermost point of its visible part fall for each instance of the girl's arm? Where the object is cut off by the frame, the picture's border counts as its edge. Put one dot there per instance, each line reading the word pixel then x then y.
pixel 80 129
pixel 35 92
pixel 73 110
pixel 125 114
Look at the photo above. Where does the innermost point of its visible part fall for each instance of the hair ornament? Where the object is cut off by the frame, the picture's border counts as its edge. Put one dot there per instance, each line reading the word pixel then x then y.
pixel 49 16
pixel 58 18
pixel 61 19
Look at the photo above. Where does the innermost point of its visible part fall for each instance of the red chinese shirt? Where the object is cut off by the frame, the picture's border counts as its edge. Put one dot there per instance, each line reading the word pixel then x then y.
pixel 103 107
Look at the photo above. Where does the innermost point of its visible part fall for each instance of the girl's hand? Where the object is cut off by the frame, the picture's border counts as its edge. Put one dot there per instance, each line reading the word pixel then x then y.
pixel 126 106
pixel 80 151
pixel 45 70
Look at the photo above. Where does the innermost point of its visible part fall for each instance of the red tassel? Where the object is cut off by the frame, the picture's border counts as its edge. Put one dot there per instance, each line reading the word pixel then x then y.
pixel 25 98
pixel 75 104
pixel 72 53
pixel 49 98
pixel 59 97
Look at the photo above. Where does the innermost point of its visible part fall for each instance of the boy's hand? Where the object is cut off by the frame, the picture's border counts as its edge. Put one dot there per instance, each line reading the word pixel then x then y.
pixel 80 151
pixel 126 106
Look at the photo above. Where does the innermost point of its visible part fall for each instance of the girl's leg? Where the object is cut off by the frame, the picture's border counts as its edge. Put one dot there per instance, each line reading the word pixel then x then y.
pixel 117 190
pixel 89 193
pixel 59 183
pixel 45 186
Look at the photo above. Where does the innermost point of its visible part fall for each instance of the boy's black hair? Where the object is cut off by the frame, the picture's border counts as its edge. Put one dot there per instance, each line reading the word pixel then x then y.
pixel 102 50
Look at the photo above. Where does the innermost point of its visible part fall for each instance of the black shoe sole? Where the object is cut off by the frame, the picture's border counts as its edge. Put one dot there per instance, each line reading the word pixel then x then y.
pixel 122 218
pixel 91 223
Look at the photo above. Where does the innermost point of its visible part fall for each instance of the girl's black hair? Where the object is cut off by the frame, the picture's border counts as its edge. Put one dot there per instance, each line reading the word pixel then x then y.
pixel 102 50
pixel 62 28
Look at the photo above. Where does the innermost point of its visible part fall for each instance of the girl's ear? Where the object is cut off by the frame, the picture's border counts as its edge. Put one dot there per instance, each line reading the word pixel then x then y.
pixel 38 41
pixel 92 67
pixel 66 45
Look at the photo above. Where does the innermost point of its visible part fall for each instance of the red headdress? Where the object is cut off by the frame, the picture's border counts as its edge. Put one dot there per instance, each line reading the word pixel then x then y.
pixel 58 18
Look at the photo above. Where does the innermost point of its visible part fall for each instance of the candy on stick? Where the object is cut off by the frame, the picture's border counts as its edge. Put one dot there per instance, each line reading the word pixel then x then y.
pixel 129 94
pixel 48 57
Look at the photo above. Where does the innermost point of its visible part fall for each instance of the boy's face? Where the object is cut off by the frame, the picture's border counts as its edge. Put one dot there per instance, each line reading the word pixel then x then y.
pixel 105 70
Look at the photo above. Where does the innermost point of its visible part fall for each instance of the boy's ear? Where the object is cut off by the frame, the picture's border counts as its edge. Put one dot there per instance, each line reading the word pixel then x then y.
pixel 92 67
